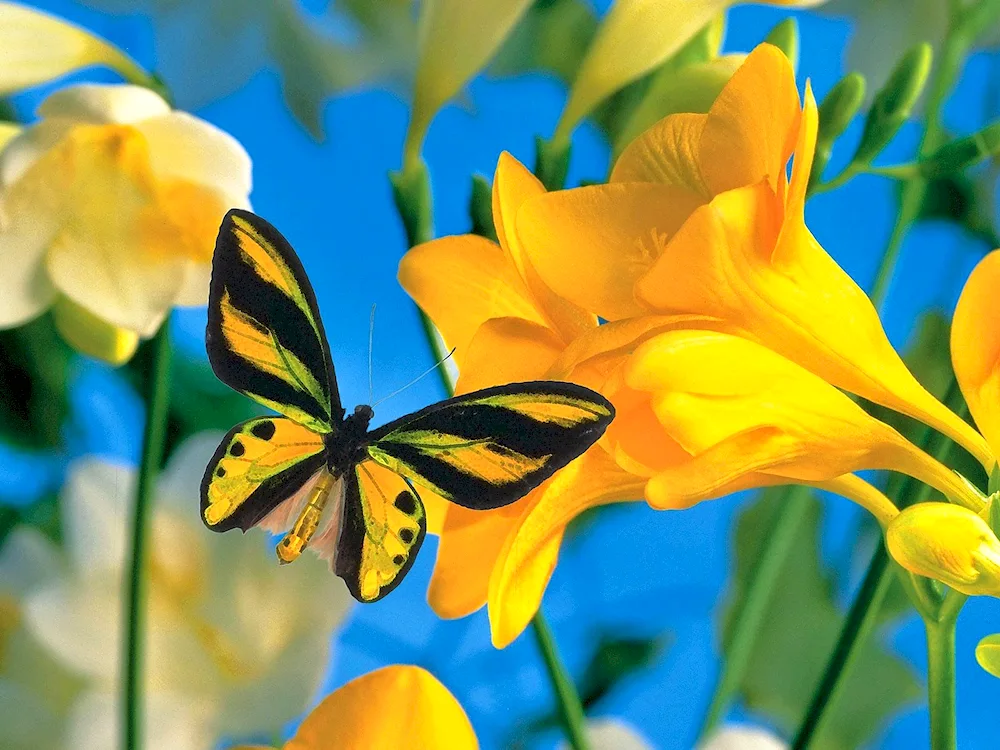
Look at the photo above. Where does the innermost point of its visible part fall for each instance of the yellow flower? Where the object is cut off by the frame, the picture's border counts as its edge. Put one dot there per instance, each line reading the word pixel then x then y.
pixel 701 426
pixel 949 543
pixel 397 706
pixel 988 654
pixel 112 202
pixel 700 218
pixel 235 646
pixel 507 326
pixel 635 37
pixel 38 47
pixel 457 39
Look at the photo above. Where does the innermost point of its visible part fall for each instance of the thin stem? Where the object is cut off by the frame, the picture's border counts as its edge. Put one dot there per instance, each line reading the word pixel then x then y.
pixel 568 700
pixel 749 617
pixel 941 682
pixel 153 441
pixel 861 618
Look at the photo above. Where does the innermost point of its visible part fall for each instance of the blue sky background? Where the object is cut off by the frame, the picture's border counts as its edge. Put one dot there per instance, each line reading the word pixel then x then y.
pixel 636 571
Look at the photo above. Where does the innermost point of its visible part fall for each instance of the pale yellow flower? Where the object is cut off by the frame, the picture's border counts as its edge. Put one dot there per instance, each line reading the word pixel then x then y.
pixel 36 47
pixel 112 201
pixel 236 645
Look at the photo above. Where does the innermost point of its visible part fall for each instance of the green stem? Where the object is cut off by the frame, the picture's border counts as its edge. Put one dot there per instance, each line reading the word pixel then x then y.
pixel 941 682
pixel 861 618
pixel 153 442
pixel 749 617
pixel 568 700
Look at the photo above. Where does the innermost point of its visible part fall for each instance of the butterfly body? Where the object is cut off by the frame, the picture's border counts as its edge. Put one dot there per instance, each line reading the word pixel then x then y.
pixel 325 480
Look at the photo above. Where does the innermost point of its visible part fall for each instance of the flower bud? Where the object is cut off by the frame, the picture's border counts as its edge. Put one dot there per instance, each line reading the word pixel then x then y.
pixel 91 335
pixel 988 654
pixel 835 113
pixel 948 543
pixel 894 102
pixel 785 36
pixel 960 153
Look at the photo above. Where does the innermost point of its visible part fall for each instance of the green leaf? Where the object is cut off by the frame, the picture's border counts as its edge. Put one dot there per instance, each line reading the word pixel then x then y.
pixel 616 659
pixel 994 484
pixel 798 633
pixel 481 208
pixel 34 378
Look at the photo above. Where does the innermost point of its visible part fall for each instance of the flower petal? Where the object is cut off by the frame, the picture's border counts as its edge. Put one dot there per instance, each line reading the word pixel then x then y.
pixel 187 148
pixel 590 244
pixel 751 128
pixel 528 557
pixel 741 264
pixel 101 104
pixel 507 350
pixel 513 184
pixel 96 500
pixel 397 706
pixel 467 554
pixel 461 282
pixel 667 153
pixel 38 47
pixel 975 346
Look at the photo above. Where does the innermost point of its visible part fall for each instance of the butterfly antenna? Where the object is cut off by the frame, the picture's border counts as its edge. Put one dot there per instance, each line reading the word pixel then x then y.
pixel 371 338
pixel 419 377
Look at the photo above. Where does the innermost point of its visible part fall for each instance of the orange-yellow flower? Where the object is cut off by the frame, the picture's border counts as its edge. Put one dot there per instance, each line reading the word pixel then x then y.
pixel 507 325
pixel 397 706
pixel 700 218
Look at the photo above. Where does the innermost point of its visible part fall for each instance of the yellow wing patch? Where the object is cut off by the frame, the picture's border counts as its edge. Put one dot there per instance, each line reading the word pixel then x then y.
pixel 384 526
pixel 564 411
pixel 258 465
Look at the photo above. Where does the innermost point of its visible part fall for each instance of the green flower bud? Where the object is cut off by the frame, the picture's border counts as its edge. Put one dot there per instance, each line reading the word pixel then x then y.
pixel 835 113
pixel 960 153
pixel 551 162
pixel 894 102
pixel 988 654
pixel 411 189
pixel 481 208
pixel 785 36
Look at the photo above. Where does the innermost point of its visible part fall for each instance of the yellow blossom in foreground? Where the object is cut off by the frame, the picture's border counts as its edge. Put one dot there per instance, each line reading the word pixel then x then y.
pixel 506 326
pixel 392 707
pixel 456 40
pixel 704 414
pixel 949 543
pixel 37 47
pixel 635 37
pixel 700 218
pixel 111 202
pixel 235 645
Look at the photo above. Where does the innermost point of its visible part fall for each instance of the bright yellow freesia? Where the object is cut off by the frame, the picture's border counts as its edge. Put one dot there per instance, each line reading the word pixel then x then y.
pixel 635 37
pixel 700 426
pixel 392 707
pixel 109 207
pixel 507 326
pixel 457 38
pixel 37 47
pixel 949 543
pixel 705 199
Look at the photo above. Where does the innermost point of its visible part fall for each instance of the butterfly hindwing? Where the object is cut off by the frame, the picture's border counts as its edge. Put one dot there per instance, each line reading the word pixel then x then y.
pixel 259 464
pixel 384 525
pixel 486 449
pixel 264 336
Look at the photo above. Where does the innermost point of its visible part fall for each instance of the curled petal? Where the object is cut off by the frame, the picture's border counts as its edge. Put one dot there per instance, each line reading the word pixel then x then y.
pixel 461 282
pixel 948 543
pixel 397 706
pixel 975 346
pixel 507 350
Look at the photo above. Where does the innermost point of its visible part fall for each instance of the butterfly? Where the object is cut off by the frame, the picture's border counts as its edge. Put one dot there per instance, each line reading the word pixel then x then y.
pixel 323 479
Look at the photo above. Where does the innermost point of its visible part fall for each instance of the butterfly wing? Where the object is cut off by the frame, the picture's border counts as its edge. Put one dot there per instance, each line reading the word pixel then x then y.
pixel 259 464
pixel 384 525
pixel 264 336
pixel 488 448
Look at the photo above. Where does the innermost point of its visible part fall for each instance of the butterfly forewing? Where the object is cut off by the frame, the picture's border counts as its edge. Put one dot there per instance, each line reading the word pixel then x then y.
pixel 384 525
pixel 264 336
pixel 260 463
pixel 487 449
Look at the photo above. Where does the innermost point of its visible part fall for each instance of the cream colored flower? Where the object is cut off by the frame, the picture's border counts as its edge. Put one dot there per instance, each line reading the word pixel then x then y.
pixel 36 47
pixel 36 691
pixel 112 202
pixel 236 645
pixel 743 737
pixel 612 734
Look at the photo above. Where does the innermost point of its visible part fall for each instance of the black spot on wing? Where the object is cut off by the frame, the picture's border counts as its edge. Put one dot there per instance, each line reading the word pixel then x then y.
pixel 237 449
pixel 263 430
pixel 406 503
pixel 406 535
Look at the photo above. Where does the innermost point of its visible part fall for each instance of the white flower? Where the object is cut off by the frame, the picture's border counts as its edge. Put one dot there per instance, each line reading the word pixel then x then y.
pixel 235 644
pixel 113 201
pixel 612 734
pixel 743 737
